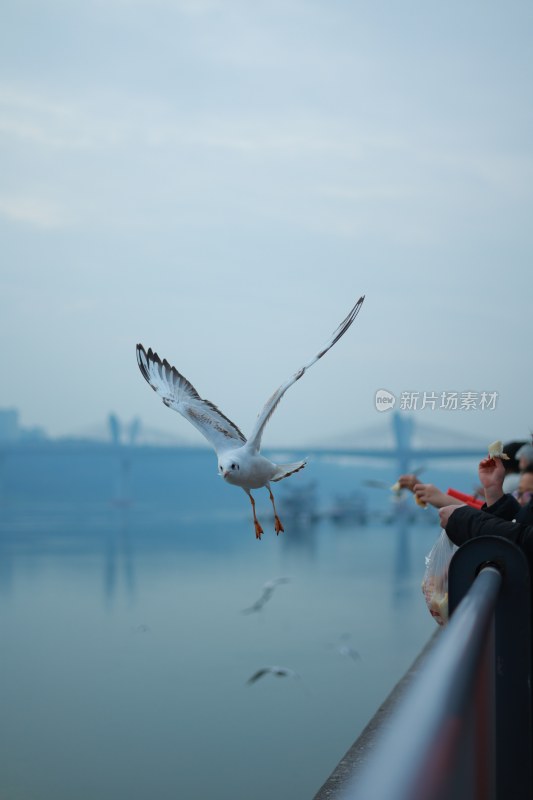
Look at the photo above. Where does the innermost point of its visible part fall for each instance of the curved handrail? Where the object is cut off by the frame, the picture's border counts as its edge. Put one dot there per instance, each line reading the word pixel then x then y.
pixel 463 729
pixel 416 754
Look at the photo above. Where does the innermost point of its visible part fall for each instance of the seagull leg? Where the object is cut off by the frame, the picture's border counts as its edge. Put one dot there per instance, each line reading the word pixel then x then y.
pixel 258 528
pixel 278 527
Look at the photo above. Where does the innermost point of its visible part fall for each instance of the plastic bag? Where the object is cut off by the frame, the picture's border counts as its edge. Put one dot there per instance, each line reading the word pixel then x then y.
pixel 435 583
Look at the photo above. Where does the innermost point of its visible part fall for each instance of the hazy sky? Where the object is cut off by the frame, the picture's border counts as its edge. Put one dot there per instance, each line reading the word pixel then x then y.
pixel 222 180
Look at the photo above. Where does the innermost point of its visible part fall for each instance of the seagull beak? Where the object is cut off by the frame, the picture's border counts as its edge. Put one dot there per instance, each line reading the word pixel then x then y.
pixel 225 473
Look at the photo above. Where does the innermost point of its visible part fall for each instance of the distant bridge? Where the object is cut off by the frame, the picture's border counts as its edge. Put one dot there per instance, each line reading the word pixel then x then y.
pixel 403 442
pixel 407 444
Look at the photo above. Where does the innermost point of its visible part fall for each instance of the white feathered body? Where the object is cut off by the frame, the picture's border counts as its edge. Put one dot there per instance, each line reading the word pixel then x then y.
pixel 250 470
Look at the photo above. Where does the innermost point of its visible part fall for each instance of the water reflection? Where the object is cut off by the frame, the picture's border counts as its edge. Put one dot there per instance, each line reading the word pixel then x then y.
pixel 303 538
pixel 119 563
pixel 6 566
pixel 151 682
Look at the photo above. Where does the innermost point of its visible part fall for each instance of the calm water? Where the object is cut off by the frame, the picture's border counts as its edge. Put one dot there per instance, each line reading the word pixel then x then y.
pixel 125 652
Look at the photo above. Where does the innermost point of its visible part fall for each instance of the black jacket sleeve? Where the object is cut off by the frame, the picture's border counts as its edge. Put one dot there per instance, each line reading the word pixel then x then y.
pixel 507 507
pixel 466 523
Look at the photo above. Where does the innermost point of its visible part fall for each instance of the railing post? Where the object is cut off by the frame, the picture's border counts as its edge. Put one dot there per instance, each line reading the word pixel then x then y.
pixel 506 698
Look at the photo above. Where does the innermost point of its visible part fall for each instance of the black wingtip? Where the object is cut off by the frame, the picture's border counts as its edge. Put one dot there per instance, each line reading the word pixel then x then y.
pixel 140 363
pixel 357 306
pixel 345 324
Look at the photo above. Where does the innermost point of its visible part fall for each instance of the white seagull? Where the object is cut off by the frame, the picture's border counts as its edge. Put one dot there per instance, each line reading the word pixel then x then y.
pixel 239 460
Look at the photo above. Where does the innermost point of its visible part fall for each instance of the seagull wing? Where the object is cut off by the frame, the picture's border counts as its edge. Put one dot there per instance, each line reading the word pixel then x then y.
pixel 259 674
pixel 257 606
pixel 177 393
pixel 268 591
pixel 254 442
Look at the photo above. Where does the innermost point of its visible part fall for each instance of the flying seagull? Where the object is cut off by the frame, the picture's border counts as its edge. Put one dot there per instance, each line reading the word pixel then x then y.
pixel 239 460
pixel 345 649
pixel 279 672
pixel 268 591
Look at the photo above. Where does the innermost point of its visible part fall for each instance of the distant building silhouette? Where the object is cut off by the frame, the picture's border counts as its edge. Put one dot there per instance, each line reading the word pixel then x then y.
pixel 11 430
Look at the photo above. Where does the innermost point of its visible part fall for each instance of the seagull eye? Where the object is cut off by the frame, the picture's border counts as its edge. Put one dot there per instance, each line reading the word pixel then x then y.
pixel 233 466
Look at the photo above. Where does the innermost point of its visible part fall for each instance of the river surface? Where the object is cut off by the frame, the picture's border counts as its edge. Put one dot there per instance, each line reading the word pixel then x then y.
pixel 127 640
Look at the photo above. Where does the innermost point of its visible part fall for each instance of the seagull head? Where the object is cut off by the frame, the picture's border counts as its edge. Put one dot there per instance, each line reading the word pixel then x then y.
pixel 229 468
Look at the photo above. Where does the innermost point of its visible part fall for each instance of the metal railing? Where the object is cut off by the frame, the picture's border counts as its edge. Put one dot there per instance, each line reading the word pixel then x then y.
pixel 463 729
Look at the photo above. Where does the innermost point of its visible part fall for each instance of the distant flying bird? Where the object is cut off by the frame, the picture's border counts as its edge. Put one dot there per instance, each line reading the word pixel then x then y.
pixel 345 649
pixel 280 672
pixel 268 591
pixel 239 460
pixel 142 629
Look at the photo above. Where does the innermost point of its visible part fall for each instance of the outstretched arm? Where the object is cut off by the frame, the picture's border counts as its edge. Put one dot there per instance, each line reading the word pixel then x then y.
pixel 426 492
pixel 430 494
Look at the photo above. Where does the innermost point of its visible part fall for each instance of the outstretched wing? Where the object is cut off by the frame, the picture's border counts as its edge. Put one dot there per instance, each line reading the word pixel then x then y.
pixel 254 441
pixel 177 393
pixel 259 674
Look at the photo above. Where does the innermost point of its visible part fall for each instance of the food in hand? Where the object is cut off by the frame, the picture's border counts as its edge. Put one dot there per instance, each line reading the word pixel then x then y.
pixel 496 451
pixel 397 487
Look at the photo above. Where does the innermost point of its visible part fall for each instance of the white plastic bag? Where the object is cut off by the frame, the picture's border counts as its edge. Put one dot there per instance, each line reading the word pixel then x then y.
pixel 435 583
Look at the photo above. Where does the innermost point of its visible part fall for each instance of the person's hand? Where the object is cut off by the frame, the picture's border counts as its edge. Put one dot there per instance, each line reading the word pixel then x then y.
pixel 407 482
pixel 434 497
pixel 446 512
pixel 491 474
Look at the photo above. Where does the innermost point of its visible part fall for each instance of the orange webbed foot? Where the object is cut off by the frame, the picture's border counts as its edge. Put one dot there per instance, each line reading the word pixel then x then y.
pixel 278 527
pixel 258 530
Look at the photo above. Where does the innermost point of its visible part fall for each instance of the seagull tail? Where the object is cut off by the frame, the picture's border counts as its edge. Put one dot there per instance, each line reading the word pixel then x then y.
pixel 284 470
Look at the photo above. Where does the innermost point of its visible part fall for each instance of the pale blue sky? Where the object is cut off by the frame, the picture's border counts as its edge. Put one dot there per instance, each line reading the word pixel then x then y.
pixel 222 180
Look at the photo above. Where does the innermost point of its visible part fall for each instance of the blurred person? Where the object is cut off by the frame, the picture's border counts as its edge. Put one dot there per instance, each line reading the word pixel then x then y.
pixel 524 494
pixel 517 508
pixel 524 456
pixel 502 515
pixel 519 455
pixel 512 466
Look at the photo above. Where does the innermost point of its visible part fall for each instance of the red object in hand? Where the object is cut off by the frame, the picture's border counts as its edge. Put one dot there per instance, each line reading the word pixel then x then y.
pixel 465 498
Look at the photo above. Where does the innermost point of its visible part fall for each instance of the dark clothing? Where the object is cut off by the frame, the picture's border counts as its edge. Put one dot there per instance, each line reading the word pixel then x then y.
pixel 507 507
pixel 466 523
